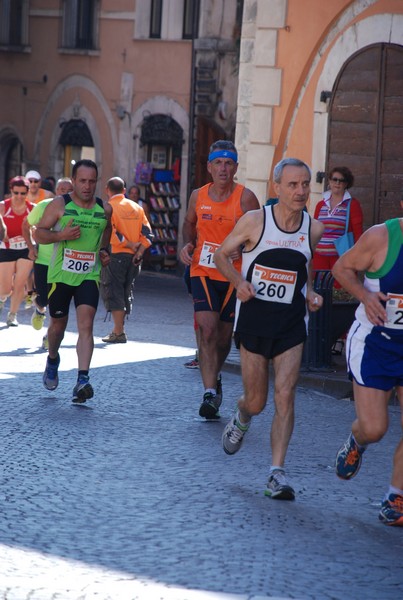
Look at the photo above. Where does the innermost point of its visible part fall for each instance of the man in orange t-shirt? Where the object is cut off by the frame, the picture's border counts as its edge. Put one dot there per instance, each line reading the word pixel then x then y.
pixel 131 236
pixel 212 213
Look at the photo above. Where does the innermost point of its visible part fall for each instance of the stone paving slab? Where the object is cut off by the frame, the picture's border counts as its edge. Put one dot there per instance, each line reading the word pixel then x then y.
pixel 131 495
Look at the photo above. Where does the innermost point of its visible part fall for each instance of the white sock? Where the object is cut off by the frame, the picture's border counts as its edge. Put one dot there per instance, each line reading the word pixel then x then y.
pixel 238 418
pixel 210 391
pixel 275 468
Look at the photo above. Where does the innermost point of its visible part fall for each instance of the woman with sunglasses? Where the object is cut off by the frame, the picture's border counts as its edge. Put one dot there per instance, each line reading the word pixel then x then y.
pixel 332 211
pixel 15 265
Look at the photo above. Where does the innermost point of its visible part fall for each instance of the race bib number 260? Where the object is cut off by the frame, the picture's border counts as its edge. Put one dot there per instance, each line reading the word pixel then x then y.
pixel 76 261
pixel 274 285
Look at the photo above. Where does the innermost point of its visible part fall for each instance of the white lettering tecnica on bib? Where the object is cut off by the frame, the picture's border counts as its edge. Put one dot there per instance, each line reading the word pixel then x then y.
pixel 207 253
pixel 394 311
pixel 78 261
pixel 17 243
pixel 274 285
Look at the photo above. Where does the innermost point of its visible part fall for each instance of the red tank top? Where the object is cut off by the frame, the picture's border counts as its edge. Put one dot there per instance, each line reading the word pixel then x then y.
pixel 215 220
pixel 15 240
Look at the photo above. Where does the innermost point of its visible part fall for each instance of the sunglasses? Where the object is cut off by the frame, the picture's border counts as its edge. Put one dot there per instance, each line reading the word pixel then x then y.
pixel 33 180
pixel 19 193
pixel 337 180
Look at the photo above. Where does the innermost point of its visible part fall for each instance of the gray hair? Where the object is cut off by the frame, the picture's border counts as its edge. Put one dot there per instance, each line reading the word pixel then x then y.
pixel 63 180
pixel 288 162
pixel 223 145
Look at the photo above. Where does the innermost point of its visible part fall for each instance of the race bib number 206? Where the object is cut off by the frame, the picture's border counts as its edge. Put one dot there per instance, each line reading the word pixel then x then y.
pixel 274 285
pixel 76 261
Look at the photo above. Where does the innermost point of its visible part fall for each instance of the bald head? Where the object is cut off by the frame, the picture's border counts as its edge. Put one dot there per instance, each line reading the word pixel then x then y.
pixel 115 185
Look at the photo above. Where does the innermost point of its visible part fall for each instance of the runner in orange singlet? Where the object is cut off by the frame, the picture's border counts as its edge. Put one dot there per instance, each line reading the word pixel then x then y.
pixel 213 211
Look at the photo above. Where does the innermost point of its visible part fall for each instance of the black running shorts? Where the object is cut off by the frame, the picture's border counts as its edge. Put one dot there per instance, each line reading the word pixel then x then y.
pixel 214 296
pixel 61 294
pixel 268 347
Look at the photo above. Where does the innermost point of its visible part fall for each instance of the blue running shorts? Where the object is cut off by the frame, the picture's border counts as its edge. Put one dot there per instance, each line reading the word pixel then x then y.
pixel 375 357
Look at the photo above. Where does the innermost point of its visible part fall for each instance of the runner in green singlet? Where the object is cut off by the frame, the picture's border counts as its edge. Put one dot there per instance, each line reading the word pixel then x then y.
pixel 41 255
pixel 78 224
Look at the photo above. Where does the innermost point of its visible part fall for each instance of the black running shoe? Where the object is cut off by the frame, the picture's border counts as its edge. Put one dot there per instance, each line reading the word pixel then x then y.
pixel 209 407
pixel 83 390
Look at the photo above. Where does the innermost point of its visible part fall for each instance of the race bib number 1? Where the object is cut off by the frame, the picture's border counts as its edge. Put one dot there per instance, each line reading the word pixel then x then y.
pixel 207 254
pixel 17 243
pixel 76 261
pixel 274 285
pixel 394 311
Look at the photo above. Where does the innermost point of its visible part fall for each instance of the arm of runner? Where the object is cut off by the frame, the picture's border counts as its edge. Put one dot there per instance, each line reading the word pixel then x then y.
pixel 367 254
pixel 313 299
pixel 3 228
pixel 189 231
pixel 249 201
pixel 104 252
pixel 53 212
pixel 242 233
pixel 26 234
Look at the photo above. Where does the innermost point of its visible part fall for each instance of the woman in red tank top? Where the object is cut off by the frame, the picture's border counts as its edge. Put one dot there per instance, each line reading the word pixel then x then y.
pixel 15 265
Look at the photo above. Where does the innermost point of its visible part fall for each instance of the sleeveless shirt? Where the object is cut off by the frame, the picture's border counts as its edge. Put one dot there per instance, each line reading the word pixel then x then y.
pixel 278 268
pixel 215 220
pixel 36 214
pixel 15 240
pixel 74 261
pixel 389 280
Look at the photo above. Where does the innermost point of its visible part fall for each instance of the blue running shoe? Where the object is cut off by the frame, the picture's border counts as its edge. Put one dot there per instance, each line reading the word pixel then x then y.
pixel 391 512
pixel 348 459
pixel 83 390
pixel 50 376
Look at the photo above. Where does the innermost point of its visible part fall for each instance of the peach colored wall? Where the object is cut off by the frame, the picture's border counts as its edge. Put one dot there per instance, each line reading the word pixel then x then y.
pixel 158 68
pixel 308 24
pixel 165 67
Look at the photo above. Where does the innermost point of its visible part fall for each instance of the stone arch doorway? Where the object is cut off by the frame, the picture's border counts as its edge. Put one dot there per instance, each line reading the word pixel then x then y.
pixel 163 136
pixel 77 143
pixel 365 129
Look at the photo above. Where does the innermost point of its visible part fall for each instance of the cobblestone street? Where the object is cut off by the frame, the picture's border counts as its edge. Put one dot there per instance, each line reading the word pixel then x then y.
pixel 131 495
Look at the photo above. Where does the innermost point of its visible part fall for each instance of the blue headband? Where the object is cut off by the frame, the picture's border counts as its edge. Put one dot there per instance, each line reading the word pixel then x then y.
pixel 223 154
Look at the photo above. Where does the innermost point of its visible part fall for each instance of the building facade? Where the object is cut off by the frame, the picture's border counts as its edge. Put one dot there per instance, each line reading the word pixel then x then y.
pixel 119 81
pixel 157 81
pixel 323 81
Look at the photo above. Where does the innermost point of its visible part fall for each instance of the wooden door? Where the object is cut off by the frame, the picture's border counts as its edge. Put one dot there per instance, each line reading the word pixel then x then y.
pixel 366 129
